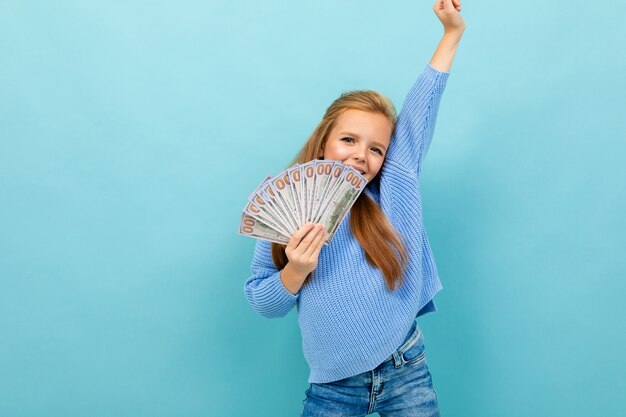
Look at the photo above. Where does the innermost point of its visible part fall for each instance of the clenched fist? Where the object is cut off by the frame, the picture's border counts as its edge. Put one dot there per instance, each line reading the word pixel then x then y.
pixel 448 12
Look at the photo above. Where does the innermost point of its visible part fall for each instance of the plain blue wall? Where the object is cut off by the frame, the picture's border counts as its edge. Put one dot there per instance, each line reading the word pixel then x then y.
pixel 133 131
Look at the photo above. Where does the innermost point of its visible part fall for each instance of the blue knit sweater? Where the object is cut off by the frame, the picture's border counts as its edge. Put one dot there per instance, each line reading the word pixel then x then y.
pixel 350 322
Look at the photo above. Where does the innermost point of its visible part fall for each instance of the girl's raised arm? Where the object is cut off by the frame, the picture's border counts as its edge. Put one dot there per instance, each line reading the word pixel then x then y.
pixel 448 12
pixel 416 121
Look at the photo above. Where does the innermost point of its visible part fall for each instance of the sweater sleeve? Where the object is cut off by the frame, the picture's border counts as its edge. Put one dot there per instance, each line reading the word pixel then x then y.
pixel 416 122
pixel 264 289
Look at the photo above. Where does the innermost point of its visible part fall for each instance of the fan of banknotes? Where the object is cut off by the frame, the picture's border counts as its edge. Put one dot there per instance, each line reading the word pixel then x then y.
pixel 318 191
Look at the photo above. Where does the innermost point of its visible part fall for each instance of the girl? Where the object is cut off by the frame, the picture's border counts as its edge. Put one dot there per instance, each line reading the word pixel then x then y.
pixel 358 298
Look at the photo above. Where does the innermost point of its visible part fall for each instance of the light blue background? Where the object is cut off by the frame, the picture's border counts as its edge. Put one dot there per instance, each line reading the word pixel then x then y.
pixel 132 133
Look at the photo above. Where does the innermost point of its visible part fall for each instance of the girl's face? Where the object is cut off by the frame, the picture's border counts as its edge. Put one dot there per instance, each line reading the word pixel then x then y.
pixel 359 139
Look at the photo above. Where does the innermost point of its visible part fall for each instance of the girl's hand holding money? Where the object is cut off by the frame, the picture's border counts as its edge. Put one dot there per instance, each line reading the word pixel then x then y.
pixel 303 252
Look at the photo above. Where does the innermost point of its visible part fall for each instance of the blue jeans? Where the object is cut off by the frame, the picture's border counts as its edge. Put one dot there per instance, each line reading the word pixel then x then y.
pixel 401 386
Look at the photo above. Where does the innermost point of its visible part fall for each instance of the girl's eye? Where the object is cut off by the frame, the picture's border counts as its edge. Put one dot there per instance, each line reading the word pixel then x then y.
pixel 378 150
pixel 347 139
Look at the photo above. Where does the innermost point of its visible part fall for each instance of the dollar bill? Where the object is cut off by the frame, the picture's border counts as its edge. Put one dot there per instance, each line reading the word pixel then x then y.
pixel 319 191
pixel 309 181
pixel 263 209
pixel 270 197
pixel 260 210
pixel 351 184
pixel 249 226
pixel 280 188
pixel 295 178
pixel 331 187
pixel 323 171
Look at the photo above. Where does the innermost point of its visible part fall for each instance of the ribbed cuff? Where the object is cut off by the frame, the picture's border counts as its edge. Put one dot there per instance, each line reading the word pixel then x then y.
pixel 438 77
pixel 277 291
pixel 437 71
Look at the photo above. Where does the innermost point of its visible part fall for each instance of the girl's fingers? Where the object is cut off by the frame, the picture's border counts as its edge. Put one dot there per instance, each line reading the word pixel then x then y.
pixel 299 235
pixel 448 5
pixel 316 244
pixel 308 240
pixel 320 244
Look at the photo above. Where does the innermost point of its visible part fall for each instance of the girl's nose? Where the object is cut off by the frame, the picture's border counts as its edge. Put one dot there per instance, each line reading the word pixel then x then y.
pixel 360 156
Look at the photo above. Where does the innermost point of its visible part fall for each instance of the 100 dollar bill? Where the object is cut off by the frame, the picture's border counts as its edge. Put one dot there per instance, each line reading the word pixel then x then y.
pixel 318 191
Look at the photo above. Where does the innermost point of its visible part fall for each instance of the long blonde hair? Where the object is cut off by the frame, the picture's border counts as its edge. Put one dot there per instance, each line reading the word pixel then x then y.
pixel 371 228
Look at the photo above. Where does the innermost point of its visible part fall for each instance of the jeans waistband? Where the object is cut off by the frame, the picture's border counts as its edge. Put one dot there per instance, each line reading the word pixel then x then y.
pixel 410 339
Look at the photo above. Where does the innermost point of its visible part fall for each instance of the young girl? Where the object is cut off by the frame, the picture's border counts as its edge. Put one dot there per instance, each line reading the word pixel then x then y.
pixel 358 297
